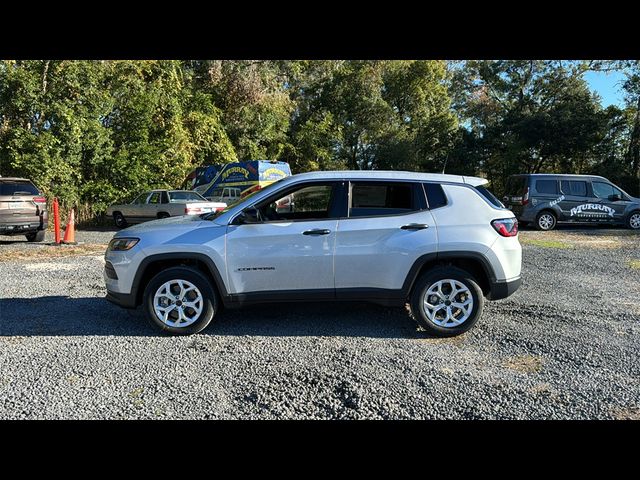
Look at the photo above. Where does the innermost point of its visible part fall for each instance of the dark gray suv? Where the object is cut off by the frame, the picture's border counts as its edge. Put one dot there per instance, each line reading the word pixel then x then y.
pixel 23 209
pixel 546 199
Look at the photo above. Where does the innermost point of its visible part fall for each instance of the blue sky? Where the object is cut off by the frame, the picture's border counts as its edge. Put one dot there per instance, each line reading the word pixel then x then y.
pixel 608 86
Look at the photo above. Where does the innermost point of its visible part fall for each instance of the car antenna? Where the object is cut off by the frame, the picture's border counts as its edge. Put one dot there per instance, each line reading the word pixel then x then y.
pixel 445 164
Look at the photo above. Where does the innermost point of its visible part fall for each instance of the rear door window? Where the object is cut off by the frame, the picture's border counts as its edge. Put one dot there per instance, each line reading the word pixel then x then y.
pixel 547 186
pixel 381 198
pixel 18 188
pixel 576 188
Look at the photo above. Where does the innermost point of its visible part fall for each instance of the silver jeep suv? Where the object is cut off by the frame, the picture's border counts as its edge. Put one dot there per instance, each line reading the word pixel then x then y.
pixel 442 243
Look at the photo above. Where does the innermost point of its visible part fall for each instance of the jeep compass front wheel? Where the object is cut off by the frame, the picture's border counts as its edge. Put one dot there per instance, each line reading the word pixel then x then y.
pixel 446 301
pixel 180 301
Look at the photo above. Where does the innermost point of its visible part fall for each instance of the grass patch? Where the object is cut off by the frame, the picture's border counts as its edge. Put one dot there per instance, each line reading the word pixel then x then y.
pixel 524 363
pixel 136 397
pixel 51 251
pixel 635 264
pixel 544 243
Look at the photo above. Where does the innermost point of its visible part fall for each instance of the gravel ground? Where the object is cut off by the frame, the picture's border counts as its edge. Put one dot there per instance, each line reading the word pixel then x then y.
pixel 566 345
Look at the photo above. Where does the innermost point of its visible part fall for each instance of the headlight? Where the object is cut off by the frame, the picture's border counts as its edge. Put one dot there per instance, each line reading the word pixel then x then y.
pixel 121 244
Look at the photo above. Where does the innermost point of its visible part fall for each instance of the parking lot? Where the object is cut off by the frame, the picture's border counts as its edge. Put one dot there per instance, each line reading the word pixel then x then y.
pixel 565 346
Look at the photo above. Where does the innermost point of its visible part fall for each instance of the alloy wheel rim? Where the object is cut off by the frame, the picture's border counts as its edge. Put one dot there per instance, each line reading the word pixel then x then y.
pixel 634 221
pixel 546 222
pixel 178 303
pixel 448 303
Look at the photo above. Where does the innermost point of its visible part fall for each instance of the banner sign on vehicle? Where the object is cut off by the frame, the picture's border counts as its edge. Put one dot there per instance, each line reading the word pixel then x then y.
pixel 248 174
pixel 592 210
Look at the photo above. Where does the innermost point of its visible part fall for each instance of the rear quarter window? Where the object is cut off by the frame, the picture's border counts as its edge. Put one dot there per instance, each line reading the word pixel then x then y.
pixel 436 197
pixel 491 198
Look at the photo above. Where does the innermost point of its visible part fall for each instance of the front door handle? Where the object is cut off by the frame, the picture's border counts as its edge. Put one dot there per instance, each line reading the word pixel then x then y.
pixel 317 231
pixel 414 226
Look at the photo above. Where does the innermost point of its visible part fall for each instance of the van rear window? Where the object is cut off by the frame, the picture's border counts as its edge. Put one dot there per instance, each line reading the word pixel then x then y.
pixel 547 186
pixel 515 186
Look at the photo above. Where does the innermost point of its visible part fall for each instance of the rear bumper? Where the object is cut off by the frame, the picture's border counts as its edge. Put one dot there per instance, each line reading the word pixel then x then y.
pixel 125 300
pixel 500 290
pixel 20 228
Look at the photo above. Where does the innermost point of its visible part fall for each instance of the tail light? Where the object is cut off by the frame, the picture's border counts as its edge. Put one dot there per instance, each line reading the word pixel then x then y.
pixel 525 196
pixel 507 227
pixel 40 199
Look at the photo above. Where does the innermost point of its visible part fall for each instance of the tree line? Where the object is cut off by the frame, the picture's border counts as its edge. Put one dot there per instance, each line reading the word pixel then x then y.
pixel 94 133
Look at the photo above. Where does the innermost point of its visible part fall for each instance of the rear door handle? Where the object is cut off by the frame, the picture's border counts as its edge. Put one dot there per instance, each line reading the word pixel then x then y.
pixel 414 226
pixel 317 232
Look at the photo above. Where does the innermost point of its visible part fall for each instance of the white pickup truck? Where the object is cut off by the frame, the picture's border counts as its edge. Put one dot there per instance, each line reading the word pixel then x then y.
pixel 162 204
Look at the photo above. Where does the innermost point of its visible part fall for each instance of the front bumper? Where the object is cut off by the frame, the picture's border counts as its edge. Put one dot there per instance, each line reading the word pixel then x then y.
pixel 500 290
pixel 125 300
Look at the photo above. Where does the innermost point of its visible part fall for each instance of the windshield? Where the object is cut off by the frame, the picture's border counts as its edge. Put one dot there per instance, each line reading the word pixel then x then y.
pixel 181 196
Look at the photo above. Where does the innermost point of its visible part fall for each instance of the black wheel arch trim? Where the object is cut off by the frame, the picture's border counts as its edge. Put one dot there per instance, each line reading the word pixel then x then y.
pixel 392 296
pixel 160 257
pixel 412 276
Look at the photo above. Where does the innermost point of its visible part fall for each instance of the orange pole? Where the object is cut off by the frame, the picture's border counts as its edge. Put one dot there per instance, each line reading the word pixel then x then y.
pixel 56 220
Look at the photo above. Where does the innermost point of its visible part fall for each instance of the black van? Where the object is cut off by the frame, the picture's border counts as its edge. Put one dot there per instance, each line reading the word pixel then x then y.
pixel 546 199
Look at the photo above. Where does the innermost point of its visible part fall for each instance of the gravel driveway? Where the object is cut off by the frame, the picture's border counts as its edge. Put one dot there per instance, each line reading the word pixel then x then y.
pixel 566 345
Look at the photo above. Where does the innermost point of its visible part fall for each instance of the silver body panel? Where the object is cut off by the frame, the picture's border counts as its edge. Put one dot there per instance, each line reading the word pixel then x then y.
pixel 359 252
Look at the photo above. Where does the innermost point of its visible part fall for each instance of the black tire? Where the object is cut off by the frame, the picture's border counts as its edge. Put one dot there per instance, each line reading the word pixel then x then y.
pixel 546 220
pixel 632 220
pixel 522 224
pixel 36 236
pixel 163 215
pixel 196 278
pixel 429 279
pixel 119 220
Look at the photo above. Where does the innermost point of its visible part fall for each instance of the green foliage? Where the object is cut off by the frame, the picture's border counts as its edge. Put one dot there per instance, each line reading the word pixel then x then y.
pixel 94 133
pixel 537 116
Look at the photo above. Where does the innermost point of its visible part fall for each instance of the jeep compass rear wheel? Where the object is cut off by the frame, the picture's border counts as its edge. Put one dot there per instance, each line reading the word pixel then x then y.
pixel 446 301
pixel 180 301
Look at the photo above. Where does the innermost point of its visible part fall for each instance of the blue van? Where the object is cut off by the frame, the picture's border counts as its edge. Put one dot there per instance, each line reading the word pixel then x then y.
pixel 546 199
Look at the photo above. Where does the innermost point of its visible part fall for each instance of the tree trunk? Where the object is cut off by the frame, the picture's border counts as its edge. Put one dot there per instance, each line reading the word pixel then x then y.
pixel 633 154
pixel 44 76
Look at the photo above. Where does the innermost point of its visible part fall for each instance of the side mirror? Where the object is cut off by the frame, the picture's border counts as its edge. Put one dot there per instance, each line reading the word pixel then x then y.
pixel 250 215
pixel 615 198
